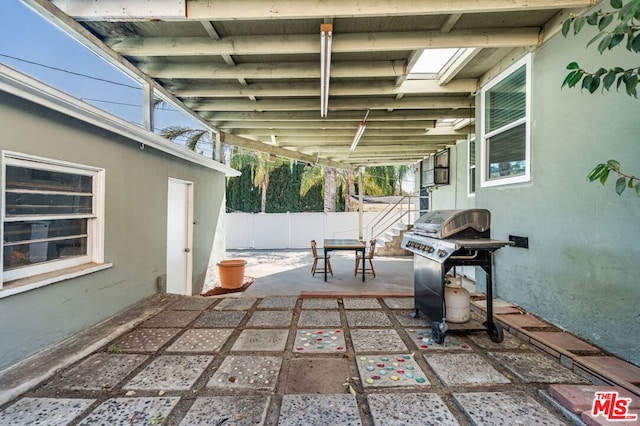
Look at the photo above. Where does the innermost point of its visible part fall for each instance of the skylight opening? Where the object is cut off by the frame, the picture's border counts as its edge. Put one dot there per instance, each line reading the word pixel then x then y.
pixel 432 61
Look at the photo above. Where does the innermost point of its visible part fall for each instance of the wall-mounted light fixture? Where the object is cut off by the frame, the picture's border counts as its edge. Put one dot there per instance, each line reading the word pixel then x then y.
pixel 361 127
pixel 326 31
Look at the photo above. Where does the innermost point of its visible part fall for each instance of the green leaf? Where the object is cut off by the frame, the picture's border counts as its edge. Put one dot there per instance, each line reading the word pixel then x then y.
pixel 630 183
pixel 614 165
pixel 578 24
pixel 596 38
pixel 595 83
pixel 615 40
pixel 596 172
pixel 630 84
pixel 637 189
pixel 621 184
pixel 604 176
pixel 604 43
pixel 573 66
pixel 609 79
pixel 586 82
pixel 635 44
pixel 566 26
pixel 616 4
pixel 605 21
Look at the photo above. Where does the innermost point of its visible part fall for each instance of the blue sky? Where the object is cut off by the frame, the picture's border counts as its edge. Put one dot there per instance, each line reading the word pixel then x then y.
pixel 27 36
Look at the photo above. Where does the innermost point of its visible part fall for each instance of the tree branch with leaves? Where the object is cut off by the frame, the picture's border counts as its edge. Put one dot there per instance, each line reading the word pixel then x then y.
pixel 614 27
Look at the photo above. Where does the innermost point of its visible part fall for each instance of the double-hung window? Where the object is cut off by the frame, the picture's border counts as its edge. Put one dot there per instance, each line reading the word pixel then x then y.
pixel 471 168
pixel 53 216
pixel 505 128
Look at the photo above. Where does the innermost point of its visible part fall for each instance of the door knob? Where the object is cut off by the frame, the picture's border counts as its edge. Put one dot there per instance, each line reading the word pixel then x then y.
pixel 187 250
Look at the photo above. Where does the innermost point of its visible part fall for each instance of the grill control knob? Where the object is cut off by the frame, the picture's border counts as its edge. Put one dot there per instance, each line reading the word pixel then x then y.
pixel 442 253
pixel 429 249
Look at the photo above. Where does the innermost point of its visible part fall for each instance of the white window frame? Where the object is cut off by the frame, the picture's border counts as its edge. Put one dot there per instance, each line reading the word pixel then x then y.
pixel 526 177
pixel 95 222
pixel 471 168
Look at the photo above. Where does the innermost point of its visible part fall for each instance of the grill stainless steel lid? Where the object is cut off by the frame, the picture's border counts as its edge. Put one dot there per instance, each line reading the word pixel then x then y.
pixel 447 223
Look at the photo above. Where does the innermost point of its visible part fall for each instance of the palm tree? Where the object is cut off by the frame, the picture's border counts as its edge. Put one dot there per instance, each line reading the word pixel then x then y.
pixel 194 137
pixel 261 165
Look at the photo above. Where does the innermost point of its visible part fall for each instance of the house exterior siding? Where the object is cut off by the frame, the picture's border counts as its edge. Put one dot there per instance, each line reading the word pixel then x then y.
pixel 135 226
pixel 581 269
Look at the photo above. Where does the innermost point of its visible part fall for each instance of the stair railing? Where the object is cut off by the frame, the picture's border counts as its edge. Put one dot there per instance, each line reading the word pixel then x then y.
pixel 405 208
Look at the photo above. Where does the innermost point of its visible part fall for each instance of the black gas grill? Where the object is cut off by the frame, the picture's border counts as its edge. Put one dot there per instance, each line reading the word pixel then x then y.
pixel 441 240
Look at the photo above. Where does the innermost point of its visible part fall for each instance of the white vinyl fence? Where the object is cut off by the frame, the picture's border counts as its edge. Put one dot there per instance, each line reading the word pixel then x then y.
pixel 290 230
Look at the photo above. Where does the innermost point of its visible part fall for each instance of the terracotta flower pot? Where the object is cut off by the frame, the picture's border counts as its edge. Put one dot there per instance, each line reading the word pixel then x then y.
pixel 231 273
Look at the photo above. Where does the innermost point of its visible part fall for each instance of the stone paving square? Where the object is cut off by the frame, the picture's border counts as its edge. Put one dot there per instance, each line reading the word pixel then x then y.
pixel 227 410
pixel 423 340
pixel 201 340
pixel 235 304
pixel 100 371
pixel 464 369
pixel 131 412
pixel 510 342
pixel 219 319
pixel 319 341
pixel 325 318
pixel 192 303
pixel 368 319
pixel 390 370
pixel 319 410
pixel 317 375
pixel 247 372
pixel 319 303
pixel 144 340
pixel 278 302
pixel 406 320
pixel 409 409
pixel 261 340
pixel 170 372
pixel 533 367
pixel 505 408
pixel 377 340
pixel 171 319
pixel 43 411
pixel 400 302
pixel 270 319
pixel 361 303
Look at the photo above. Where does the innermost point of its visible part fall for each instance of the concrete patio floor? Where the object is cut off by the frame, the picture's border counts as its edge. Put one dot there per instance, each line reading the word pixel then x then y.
pixel 310 353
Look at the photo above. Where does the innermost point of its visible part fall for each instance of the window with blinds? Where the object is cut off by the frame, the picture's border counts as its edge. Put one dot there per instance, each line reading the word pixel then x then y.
pixel 51 216
pixel 505 127
pixel 471 168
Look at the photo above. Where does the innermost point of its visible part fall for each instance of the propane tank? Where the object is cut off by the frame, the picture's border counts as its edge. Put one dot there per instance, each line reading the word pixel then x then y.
pixel 457 300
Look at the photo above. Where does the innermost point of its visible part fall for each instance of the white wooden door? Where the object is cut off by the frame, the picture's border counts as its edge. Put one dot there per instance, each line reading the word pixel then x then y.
pixel 179 236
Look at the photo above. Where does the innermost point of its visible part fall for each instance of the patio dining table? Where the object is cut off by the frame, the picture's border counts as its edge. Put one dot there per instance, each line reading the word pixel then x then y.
pixel 343 244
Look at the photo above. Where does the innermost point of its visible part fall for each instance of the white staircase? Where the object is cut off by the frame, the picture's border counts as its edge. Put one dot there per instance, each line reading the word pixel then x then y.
pixel 388 243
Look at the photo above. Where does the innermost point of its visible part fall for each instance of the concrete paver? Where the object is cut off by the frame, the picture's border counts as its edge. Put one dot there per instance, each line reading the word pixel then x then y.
pixel 410 409
pixel 131 411
pixel 261 340
pixel 367 319
pixel 464 369
pixel 245 362
pixel 399 302
pixel 319 410
pixel 360 303
pixel 376 340
pixel 534 367
pixel 171 319
pixel 319 341
pixel 390 370
pixel 423 340
pixel 201 340
pixel 170 372
pixel 99 372
pixel 44 411
pixel 504 408
pixel 230 410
